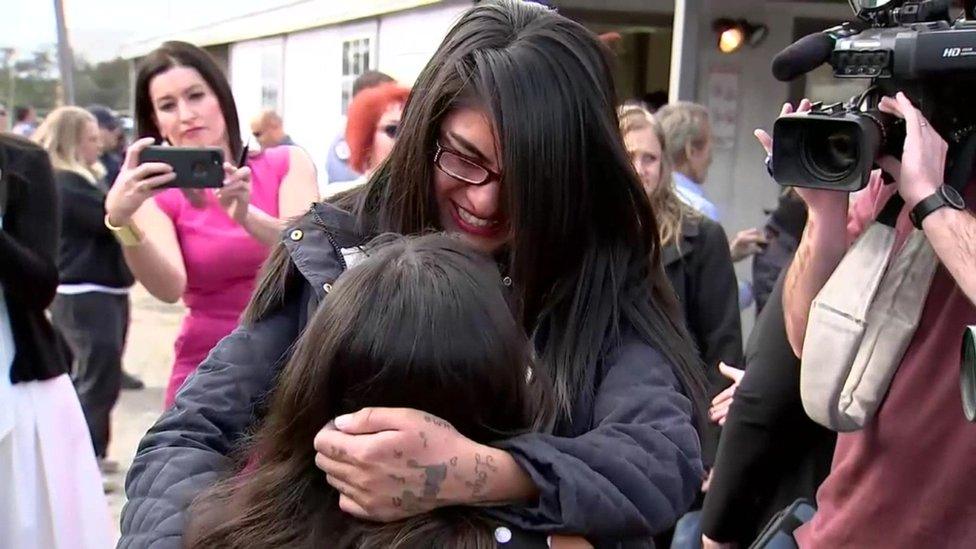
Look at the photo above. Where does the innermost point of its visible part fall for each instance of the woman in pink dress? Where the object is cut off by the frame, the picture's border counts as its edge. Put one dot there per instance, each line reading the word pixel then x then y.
pixel 205 247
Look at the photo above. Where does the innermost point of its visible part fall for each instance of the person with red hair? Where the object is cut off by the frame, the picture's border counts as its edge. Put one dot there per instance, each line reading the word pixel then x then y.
pixel 373 121
pixel 371 129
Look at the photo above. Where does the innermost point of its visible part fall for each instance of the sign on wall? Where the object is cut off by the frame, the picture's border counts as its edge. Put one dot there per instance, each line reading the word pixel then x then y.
pixel 723 106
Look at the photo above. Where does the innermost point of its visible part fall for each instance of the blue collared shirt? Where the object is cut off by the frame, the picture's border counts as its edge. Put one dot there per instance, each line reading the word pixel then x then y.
pixel 691 194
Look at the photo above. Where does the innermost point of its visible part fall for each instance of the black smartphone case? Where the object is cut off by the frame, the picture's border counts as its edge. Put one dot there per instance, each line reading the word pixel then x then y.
pixel 196 168
pixel 778 534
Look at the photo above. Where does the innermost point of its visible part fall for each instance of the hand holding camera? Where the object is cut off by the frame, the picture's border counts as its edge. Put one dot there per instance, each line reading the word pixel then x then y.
pixel 923 159
pixel 817 200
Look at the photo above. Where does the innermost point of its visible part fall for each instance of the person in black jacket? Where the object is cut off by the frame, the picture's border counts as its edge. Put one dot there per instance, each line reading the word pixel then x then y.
pixel 695 254
pixel 51 494
pixel 510 141
pixel 771 453
pixel 94 278
pixel 783 230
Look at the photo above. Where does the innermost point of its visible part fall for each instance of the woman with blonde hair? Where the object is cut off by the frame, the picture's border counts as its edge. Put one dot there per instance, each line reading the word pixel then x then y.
pixel 94 279
pixel 695 254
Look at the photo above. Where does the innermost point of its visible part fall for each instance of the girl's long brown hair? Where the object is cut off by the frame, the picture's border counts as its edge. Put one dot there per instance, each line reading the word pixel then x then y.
pixel 422 323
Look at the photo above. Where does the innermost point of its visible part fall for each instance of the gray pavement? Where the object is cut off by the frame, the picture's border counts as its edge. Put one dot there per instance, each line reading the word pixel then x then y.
pixel 148 356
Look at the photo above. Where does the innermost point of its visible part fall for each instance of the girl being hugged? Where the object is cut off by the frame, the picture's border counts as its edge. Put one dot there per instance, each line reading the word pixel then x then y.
pixel 203 246
pixel 377 339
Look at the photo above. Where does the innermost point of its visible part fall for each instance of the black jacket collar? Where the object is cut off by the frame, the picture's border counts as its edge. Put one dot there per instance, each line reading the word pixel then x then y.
pixel 690 229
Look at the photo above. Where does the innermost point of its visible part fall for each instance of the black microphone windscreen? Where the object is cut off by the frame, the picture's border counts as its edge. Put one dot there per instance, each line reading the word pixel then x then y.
pixel 802 56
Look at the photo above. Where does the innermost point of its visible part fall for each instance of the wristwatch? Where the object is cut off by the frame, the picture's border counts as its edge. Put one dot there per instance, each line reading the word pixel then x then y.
pixel 942 197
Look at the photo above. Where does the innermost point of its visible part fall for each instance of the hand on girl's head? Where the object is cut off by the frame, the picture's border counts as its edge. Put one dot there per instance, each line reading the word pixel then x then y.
pixel 373 457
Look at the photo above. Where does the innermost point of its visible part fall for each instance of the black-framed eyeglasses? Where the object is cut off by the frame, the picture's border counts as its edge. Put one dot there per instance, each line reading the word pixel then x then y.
pixel 391 130
pixel 463 167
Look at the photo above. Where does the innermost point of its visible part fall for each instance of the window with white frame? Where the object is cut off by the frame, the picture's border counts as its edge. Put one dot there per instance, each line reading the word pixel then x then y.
pixel 356 59
pixel 271 61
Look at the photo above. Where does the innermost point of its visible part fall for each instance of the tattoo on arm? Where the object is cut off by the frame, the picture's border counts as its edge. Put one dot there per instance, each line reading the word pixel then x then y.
pixel 483 466
pixel 802 258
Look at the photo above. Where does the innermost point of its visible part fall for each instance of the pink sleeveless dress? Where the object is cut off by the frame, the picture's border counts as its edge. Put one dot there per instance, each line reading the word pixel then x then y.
pixel 222 262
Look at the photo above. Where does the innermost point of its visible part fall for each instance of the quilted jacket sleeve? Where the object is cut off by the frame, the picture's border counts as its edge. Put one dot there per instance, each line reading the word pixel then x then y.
pixel 633 474
pixel 186 450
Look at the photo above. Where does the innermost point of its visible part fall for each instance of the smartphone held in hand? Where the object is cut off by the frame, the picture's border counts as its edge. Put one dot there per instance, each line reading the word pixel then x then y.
pixel 195 167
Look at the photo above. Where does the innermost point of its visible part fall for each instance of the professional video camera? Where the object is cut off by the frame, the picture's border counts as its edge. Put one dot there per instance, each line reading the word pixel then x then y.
pixel 915 47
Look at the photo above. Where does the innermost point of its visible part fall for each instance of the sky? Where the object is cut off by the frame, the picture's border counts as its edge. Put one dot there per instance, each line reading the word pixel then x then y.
pixel 98 28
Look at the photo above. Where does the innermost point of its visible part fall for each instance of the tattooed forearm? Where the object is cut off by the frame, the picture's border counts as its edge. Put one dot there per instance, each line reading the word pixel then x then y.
pixel 800 261
pixel 483 467
pixel 823 245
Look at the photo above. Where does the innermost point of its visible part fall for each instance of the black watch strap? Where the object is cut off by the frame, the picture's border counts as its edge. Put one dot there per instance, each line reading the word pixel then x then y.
pixel 944 196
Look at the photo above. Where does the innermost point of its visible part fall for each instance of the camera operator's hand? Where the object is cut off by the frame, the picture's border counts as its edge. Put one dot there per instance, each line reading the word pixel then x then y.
pixel 923 159
pixel 820 248
pixel 817 200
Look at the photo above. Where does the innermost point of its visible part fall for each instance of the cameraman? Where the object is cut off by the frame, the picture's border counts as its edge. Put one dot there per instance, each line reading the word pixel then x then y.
pixel 906 479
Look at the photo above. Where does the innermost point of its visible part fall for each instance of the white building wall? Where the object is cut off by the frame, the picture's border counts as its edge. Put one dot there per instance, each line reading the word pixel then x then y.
pixel 248 77
pixel 245 79
pixel 737 180
pixel 312 90
pixel 408 39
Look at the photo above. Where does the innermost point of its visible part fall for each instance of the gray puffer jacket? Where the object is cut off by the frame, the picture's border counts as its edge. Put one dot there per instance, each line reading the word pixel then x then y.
pixel 627 467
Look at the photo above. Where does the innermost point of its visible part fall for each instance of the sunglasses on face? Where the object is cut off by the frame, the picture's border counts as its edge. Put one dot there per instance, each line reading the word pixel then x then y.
pixel 463 167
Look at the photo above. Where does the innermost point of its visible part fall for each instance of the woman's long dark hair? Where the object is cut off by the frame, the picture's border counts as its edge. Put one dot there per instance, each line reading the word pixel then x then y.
pixel 422 323
pixel 182 54
pixel 584 256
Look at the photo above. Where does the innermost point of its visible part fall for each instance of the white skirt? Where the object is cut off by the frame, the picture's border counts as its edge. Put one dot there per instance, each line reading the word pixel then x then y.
pixel 50 487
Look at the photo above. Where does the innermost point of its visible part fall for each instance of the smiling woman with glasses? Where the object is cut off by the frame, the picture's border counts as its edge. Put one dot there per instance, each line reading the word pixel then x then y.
pixel 459 166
